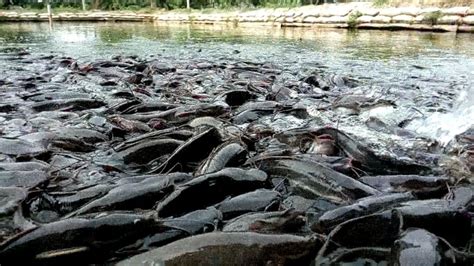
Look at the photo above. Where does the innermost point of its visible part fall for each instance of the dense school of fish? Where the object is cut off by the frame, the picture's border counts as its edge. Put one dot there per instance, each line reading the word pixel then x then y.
pixel 134 161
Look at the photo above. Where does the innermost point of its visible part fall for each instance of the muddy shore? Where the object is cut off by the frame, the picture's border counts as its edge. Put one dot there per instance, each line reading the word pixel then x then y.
pixel 351 15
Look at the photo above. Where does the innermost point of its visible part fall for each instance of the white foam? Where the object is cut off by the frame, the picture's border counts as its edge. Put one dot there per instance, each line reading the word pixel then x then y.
pixel 445 126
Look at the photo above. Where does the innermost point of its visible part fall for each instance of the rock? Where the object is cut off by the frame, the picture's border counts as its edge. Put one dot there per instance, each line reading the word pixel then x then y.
pixel 403 19
pixel 365 19
pixel 381 19
pixel 336 10
pixel 310 19
pixel 337 19
pixel 390 12
pixel 455 11
pixel 469 20
pixel 449 20
pixel 367 11
pixel 429 10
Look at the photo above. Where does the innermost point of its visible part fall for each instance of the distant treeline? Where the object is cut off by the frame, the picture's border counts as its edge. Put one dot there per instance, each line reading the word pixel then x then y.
pixel 168 4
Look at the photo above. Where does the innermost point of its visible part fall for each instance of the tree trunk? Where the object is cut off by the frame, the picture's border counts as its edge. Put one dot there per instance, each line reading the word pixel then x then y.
pixel 153 4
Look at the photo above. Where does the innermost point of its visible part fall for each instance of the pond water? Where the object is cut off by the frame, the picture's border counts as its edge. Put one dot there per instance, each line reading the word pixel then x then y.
pixel 431 75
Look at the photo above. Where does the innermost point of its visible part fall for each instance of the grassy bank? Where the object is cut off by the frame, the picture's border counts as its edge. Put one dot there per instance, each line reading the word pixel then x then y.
pixel 148 6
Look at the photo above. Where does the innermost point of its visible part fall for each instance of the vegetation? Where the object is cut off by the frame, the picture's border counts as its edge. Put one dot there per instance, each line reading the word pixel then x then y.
pixel 433 17
pixel 352 21
pixel 379 3
pixel 168 4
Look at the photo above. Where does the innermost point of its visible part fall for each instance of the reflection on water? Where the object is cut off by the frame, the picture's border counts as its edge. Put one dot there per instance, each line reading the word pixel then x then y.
pixel 362 44
pixel 420 66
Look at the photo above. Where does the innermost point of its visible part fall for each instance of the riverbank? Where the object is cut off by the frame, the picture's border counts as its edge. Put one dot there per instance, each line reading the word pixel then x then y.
pixel 351 15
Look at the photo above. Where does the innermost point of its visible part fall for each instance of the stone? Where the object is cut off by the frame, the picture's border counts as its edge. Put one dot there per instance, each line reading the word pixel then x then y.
pixel 419 19
pixel 280 19
pixel 469 20
pixel 338 19
pixel 447 28
pixel 290 19
pixel 367 11
pixel 403 19
pixel 312 11
pixel 449 20
pixel 467 29
pixel 392 12
pixel 381 19
pixel 456 11
pixel 337 10
pixel 429 10
pixel 310 19
pixel 365 19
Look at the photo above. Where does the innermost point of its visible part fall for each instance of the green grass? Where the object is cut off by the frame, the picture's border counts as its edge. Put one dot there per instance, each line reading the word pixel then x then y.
pixel 379 3
pixel 352 21
pixel 433 17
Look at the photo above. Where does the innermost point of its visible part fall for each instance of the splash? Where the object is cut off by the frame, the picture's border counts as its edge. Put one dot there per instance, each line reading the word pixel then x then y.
pixel 445 126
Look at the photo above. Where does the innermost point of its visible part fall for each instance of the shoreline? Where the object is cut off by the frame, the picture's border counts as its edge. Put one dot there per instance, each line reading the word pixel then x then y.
pixel 350 15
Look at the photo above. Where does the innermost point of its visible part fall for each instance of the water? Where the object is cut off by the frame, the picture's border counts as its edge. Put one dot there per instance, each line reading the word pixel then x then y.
pixel 430 75
pixel 445 126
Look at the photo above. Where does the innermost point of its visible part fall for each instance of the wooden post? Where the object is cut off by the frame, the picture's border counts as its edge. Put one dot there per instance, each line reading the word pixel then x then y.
pixel 188 4
pixel 83 5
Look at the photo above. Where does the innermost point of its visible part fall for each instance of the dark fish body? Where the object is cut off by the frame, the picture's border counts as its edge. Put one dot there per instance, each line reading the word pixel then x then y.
pixel 85 240
pixel 422 186
pixel 206 190
pixel 193 223
pixel 362 207
pixel 142 195
pixel 226 155
pixel 288 221
pixel 76 104
pixel 375 230
pixel 145 152
pixel 316 179
pixel 369 160
pixel 434 214
pixel 258 200
pixel 232 249
pixel 193 150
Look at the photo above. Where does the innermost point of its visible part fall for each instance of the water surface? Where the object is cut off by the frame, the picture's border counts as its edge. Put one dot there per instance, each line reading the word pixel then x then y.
pixel 426 72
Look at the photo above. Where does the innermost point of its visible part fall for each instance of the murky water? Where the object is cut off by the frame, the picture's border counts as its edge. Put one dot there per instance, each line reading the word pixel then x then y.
pixel 430 75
